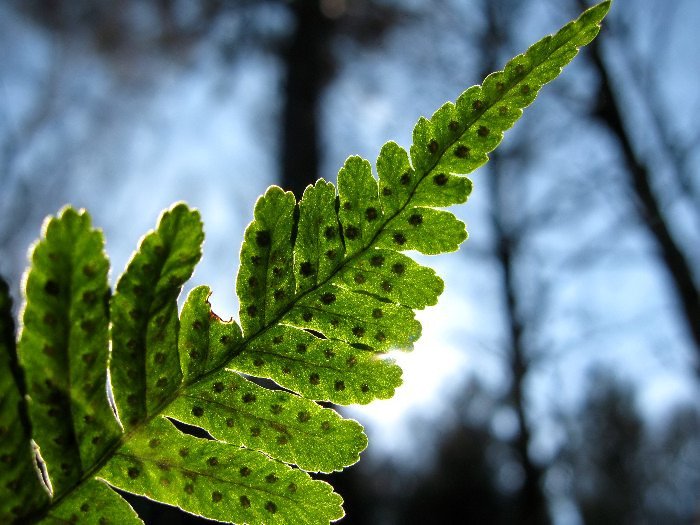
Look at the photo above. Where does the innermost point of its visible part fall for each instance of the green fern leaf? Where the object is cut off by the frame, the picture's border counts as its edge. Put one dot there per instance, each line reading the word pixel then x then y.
pixel 20 487
pixel 324 293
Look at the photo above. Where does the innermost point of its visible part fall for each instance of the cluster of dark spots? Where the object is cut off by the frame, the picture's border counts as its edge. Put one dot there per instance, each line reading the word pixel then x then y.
pixel 216 496
pixel 483 131
pixel 347 206
pixel 262 238
pixel 461 152
pixel 270 507
pixel 359 278
pixel 248 397
pixel 279 295
pixel 306 269
pixel 364 388
pixel 371 214
pixel 197 411
pixel 405 178
pixel 352 232
pixel 525 89
pixel 303 417
pixel 415 220
pixel 271 478
pixel 330 232
pixel 386 191
pixel 433 146
pixel 252 281
pixel 377 261
pixel 245 502
pixel 213 461
pixel 477 105
pixel 377 313
pixel 328 298
pixel 314 379
pixel 51 287
pixel 330 254
pixel 386 286
pixel 245 472
pixel 218 387
pixel 379 336
pixel 252 310
pixel 339 385
pixel 307 316
pixel 301 348
pixel 358 331
pixel 399 238
pixel 255 431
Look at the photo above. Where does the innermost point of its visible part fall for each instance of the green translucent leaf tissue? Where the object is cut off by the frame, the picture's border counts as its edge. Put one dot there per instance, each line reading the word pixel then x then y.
pixel 98 384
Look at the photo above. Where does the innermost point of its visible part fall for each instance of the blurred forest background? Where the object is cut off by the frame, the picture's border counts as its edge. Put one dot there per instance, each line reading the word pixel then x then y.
pixel 557 381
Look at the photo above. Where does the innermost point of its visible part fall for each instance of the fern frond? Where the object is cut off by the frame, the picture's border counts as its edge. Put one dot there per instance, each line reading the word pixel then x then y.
pixel 325 291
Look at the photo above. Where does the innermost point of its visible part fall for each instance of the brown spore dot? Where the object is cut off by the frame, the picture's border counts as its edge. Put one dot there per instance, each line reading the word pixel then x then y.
pixel 386 286
pixel 248 397
pixel 252 281
pixel 49 320
pixel 399 238
pixel 330 232
pixel 328 298
pixel 500 86
pixel 245 472
pixel 154 443
pixel 358 331
pixel 329 353
pixel 164 481
pixel 197 411
pixel 218 387
pixel 224 339
pixel 461 151
pixel 520 69
pixel 453 125
pixel 292 488
pixel 270 507
pixel 271 478
pixel 371 214
pixel 359 278
pixel 307 316
pixel 216 496
pixel 279 295
pixel 306 269
pixel 189 488
pixel 351 361
pixel 85 507
pixel 398 268
pixel 303 416
pixel 103 521
pixel 90 271
pixel 301 348
pixel 245 502
pixel 262 238
pixel 256 260
pixel 377 261
pixel 213 461
pixel 377 313
pixel 133 472
pixel 277 271
pixel 282 440
pixel 477 105
pixel 347 206
pixel 364 388
pixel 503 111
pixel 331 254
pixel 525 89
pixel 415 220
pixel 379 336
pixel 386 191
pixel 277 339
pixel 159 358
pixel 184 452
pixel 194 354
pixel 286 370
pixel 314 379
pixel 229 422
pixel 88 358
pixel 405 179
pixel 252 310
pixel 258 361
pixel 51 287
pixel 162 381
pixel 335 322
pixel 433 146
pixel 131 399
pixel 96 440
pixel 352 232
pixel 339 385
pixel 276 409
pixel 325 425
pixel 255 431
pixel 483 131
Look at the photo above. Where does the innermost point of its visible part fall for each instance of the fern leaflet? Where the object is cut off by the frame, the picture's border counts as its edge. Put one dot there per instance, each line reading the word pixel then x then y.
pixel 324 291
